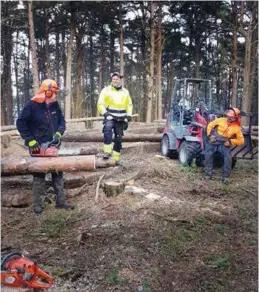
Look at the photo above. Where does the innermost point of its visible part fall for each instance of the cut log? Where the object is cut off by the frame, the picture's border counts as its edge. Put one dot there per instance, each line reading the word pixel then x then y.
pixel 92 119
pixel 91 150
pixel 112 188
pixel 84 137
pixel 5 140
pixel 26 165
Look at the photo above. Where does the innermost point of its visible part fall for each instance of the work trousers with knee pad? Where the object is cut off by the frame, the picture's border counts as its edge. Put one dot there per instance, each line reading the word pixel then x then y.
pixel 211 149
pixel 38 189
pixel 116 127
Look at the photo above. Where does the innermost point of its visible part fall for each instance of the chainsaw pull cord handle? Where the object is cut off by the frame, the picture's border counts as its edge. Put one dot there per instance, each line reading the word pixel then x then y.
pixel 7 257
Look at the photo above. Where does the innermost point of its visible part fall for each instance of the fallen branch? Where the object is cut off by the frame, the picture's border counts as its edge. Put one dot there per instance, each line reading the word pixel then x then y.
pixel 250 192
pixel 97 188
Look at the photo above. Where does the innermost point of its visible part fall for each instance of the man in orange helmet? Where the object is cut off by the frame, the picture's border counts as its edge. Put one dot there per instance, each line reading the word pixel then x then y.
pixel 222 134
pixel 41 121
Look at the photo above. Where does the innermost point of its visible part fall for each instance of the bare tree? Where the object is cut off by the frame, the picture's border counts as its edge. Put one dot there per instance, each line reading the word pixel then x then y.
pixel 151 65
pixel 35 70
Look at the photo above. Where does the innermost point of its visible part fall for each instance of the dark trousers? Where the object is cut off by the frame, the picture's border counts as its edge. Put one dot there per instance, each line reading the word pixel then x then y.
pixel 211 149
pixel 116 127
pixel 38 189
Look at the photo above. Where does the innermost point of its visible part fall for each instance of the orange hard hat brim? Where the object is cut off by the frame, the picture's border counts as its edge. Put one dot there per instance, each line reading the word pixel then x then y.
pixel 39 97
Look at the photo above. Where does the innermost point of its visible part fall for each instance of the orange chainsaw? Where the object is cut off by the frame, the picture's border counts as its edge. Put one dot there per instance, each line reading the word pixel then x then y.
pixel 17 271
pixel 48 149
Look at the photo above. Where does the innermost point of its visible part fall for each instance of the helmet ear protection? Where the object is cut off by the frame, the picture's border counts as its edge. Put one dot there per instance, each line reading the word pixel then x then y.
pixel 49 92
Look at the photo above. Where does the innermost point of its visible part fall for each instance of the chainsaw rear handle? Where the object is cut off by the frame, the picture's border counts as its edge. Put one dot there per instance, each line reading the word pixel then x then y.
pixel 8 256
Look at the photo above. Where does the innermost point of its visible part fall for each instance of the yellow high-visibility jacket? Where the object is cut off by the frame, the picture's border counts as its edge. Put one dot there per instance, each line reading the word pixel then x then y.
pixel 232 131
pixel 117 102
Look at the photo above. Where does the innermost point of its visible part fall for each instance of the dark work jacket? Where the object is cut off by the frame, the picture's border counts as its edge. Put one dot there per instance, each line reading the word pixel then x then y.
pixel 40 121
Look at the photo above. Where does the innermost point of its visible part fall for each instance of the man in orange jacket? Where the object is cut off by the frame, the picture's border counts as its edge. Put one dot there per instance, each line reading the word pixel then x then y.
pixel 222 134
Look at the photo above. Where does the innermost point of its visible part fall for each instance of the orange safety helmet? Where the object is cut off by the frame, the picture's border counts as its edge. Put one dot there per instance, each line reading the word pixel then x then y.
pixel 232 112
pixel 47 88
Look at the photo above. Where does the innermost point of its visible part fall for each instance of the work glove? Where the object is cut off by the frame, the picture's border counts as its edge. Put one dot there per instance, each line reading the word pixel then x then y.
pixel 57 138
pixel 128 119
pixel 107 116
pixel 34 147
pixel 227 144
pixel 212 139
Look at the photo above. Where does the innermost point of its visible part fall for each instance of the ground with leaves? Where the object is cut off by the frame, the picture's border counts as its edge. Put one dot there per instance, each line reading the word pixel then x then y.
pixel 196 236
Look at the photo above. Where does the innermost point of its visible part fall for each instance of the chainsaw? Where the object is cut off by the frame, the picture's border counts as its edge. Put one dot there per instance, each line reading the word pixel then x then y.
pixel 17 271
pixel 48 149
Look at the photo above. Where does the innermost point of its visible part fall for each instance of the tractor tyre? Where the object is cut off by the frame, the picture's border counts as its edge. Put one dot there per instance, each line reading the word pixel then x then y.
pixel 188 151
pixel 165 148
pixel 234 161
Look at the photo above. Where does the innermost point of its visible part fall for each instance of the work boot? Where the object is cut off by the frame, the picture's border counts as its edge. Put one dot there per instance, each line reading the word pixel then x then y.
pixel 38 210
pixel 225 180
pixel 106 155
pixel 107 150
pixel 65 207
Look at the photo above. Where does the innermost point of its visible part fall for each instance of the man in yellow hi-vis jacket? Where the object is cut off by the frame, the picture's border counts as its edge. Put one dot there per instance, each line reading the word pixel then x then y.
pixel 116 106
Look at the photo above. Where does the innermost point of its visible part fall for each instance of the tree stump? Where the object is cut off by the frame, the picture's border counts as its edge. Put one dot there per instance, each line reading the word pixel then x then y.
pixel 112 188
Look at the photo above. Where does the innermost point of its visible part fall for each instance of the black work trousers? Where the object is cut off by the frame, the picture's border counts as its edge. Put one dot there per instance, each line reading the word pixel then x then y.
pixel 116 127
pixel 38 189
pixel 211 149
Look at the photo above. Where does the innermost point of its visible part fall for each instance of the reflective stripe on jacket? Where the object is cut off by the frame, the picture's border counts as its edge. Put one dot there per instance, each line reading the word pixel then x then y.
pixel 116 102
pixel 227 130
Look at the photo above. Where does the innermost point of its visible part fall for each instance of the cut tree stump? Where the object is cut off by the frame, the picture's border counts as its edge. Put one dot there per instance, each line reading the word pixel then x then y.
pixel 5 140
pixel 112 188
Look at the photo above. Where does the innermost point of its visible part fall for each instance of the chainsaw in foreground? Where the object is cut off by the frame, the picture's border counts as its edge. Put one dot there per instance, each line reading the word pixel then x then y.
pixel 17 271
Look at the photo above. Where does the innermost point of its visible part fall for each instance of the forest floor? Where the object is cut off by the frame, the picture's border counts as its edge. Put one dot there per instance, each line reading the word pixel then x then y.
pixel 187 235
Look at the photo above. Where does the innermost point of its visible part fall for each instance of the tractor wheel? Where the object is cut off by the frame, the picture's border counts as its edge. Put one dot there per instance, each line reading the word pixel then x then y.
pixel 165 148
pixel 234 161
pixel 188 151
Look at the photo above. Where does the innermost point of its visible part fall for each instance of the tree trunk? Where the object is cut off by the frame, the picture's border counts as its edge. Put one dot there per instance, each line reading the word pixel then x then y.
pixel 35 70
pixel 159 64
pixel 102 56
pixel 234 56
pixel 69 69
pixel 16 165
pixel 151 66
pixel 121 46
pixel 99 137
pixel 91 76
pixel 247 101
pixel 6 77
pixel 16 75
pixel 112 42
pixel 197 57
pixel 57 58
pixel 79 102
pixel 47 70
